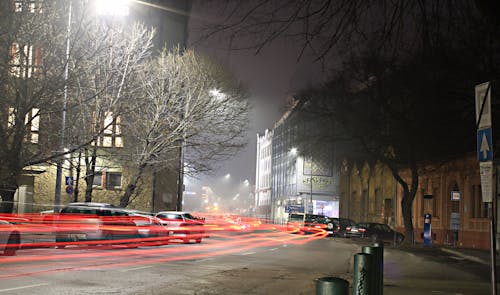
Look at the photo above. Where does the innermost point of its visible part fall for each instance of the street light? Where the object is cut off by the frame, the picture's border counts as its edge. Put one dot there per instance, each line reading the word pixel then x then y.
pixel 112 7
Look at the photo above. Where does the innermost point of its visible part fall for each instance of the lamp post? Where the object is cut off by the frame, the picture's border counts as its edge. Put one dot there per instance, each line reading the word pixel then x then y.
pixel 57 197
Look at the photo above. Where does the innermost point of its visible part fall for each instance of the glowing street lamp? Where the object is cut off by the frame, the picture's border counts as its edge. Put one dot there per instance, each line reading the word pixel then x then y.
pixel 113 7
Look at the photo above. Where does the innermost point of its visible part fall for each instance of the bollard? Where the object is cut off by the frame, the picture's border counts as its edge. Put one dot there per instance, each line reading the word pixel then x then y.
pixel 332 286
pixel 375 278
pixel 380 245
pixel 362 279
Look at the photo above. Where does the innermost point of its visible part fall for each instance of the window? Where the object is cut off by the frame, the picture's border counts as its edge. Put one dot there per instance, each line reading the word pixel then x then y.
pixel 435 202
pixel 112 131
pixel 114 180
pixel 97 179
pixel 28 5
pixel 31 121
pixel 478 208
pixel 25 60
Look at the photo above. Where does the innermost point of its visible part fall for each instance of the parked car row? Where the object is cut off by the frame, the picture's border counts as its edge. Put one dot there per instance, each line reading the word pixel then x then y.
pixel 100 223
pixel 342 227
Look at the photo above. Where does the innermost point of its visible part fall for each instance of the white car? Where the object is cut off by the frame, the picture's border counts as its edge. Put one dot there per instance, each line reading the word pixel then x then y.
pixel 182 226
pixel 10 238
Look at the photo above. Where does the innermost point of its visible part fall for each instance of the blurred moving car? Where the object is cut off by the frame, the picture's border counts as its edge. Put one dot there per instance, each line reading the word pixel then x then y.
pixel 150 228
pixel 374 232
pixel 79 222
pixel 182 225
pixel 10 238
pixel 310 223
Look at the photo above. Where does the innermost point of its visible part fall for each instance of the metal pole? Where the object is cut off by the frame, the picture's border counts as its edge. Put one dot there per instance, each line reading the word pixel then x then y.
pixel 311 185
pixel 493 247
pixel 57 197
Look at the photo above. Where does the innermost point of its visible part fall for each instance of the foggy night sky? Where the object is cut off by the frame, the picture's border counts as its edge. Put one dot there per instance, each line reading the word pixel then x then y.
pixel 269 77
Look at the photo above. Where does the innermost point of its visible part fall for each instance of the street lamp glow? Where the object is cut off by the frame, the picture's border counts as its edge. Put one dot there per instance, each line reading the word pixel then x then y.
pixel 112 7
pixel 227 176
pixel 217 94
pixel 246 182
pixel 293 151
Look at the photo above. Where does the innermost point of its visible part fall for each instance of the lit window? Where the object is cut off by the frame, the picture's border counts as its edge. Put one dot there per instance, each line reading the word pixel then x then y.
pixel 25 61
pixel 112 131
pixel 31 121
pixel 30 6
pixel 114 180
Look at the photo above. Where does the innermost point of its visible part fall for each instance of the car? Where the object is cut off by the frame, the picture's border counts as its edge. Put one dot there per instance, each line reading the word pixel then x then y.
pixel 10 238
pixel 304 223
pixel 150 228
pixel 87 223
pixel 374 232
pixel 182 225
pixel 341 225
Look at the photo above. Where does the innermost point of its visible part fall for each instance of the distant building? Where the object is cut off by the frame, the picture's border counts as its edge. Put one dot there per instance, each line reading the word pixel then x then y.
pixel 263 176
pixel 305 177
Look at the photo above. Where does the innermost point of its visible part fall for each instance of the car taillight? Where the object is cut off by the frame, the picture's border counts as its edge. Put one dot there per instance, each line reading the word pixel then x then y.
pixel 362 230
pixel 348 228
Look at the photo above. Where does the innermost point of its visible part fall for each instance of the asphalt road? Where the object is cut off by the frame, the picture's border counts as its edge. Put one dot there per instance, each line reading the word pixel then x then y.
pixel 260 263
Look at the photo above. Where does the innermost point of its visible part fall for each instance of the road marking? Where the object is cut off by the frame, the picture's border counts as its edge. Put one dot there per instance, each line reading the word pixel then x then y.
pixel 204 259
pixel 23 287
pixel 248 253
pixel 273 249
pixel 136 268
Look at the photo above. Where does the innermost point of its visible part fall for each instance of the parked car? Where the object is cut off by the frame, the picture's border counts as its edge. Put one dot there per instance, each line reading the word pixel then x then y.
pixel 182 226
pixel 150 228
pixel 341 225
pixel 79 222
pixel 10 238
pixel 374 232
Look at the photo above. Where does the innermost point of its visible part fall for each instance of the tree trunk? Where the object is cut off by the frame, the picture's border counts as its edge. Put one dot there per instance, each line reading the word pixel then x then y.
pixel 129 191
pixel 409 193
pixel 90 172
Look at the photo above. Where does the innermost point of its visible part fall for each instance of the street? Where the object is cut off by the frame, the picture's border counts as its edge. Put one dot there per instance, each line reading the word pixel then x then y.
pixel 261 262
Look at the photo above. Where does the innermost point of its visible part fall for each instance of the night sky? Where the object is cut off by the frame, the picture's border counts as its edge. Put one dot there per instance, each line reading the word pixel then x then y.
pixel 269 77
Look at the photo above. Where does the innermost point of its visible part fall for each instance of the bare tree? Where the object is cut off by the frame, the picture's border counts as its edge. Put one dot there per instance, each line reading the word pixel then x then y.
pixel 32 63
pixel 37 93
pixel 187 101
pixel 105 87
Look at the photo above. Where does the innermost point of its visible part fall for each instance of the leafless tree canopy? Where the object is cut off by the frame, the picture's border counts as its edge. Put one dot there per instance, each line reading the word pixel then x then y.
pixel 183 100
pixel 329 29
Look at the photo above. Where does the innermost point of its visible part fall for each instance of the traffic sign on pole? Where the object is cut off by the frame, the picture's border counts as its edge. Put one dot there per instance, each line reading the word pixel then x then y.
pixel 484 145
pixel 483 105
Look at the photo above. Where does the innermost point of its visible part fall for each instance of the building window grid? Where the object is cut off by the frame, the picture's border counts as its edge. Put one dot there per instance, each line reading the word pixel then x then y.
pixel 30 6
pixel 25 60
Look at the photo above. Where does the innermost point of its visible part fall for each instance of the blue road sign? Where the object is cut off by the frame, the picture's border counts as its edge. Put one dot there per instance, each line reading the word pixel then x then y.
pixel 484 145
pixel 69 180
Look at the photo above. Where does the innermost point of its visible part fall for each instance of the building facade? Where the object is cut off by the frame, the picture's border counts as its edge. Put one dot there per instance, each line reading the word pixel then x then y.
pixel 450 192
pixel 263 176
pixel 303 171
